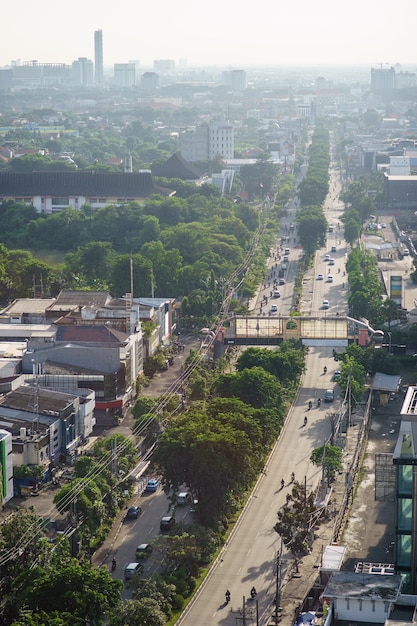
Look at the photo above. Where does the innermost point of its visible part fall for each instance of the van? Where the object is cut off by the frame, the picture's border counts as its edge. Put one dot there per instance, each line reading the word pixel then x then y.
pixel 286 251
pixel 286 258
pixel 183 498
pixel 133 568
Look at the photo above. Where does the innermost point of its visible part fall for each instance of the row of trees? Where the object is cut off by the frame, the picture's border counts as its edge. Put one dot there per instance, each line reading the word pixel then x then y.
pixel 312 192
pixel 218 446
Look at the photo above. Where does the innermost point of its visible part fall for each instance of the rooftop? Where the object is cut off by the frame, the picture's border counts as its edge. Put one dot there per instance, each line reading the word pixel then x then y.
pixel 372 586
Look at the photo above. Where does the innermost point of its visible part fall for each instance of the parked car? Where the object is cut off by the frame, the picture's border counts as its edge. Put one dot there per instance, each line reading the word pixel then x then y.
pixel 152 485
pixel 133 512
pixel 166 523
pixel 406 252
pixel 320 276
pixel 143 550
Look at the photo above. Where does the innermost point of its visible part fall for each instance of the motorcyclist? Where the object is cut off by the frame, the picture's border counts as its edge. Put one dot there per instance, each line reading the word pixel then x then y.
pixel 292 477
pixel 282 484
pixel 310 404
pixel 227 596
pixel 253 592
pixel 318 401
pixel 325 370
pixel 113 564
pixel 305 420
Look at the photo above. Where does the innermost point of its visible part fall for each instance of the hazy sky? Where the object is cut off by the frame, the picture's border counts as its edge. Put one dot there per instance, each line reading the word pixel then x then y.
pixel 231 33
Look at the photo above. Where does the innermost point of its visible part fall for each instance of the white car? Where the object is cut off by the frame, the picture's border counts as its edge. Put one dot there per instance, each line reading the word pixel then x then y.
pixel 274 308
pixel 325 304
pixel 327 257
pixel 320 276
pixel 329 278
pixel 406 252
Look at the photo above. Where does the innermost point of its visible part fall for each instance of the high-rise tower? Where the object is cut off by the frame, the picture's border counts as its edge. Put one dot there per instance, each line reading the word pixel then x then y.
pixel 98 57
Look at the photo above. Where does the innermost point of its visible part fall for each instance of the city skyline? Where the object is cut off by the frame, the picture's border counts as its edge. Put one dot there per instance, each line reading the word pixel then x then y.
pixel 220 34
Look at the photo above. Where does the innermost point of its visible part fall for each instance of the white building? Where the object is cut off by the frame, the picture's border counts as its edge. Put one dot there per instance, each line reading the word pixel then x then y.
pixel 208 141
pixel 399 166
pixel 362 597
pixel 125 74
pixel 6 467
pixel 82 72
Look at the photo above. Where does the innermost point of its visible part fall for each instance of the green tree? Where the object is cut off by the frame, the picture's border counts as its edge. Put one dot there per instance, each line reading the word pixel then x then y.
pixel 330 458
pixel 296 520
pixel 143 612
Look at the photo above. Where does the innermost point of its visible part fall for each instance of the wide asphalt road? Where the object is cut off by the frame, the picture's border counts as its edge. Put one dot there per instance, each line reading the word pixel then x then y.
pixel 249 557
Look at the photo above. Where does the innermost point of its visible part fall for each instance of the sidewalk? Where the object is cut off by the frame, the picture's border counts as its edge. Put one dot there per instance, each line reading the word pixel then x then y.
pixel 368 531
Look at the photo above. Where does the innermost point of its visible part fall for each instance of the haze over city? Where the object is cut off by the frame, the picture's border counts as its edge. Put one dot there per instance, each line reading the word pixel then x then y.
pixel 218 33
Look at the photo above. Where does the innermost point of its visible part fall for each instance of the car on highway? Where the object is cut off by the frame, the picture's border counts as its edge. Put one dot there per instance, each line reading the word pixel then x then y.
pixel 334 249
pixel 329 278
pixel 274 308
pixel 325 304
pixel 320 276
pixel 184 498
pixel 327 257
pixel 329 395
pixel 336 375
pixel 133 512
pixel 276 294
pixel 331 261
pixel 143 551
pixel 133 568
pixel 406 252
pixel 281 281
pixel 166 523
pixel 383 225
pixel 152 485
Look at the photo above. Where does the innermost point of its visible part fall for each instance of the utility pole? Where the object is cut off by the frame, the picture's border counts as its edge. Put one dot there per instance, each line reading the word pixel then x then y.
pixel 278 583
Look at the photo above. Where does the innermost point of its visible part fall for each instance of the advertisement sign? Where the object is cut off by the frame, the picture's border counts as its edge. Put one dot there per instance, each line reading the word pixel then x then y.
pixel 396 289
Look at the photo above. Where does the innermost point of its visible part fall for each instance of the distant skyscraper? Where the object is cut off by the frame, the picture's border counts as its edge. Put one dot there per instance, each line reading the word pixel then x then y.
pixel 98 57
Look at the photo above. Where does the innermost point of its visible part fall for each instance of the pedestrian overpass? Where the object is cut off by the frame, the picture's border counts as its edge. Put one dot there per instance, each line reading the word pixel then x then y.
pixel 324 330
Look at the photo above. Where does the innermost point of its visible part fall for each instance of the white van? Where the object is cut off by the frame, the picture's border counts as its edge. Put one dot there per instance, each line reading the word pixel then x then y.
pixel 184 498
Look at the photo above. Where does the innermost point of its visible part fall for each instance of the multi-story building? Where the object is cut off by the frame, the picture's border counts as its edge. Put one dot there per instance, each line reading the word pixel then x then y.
pixel 382 78
pixel 164 66
pixel 124 74
pixel 82 72
pixel 149 81
pixel 235 79
pixel 98 57
pixel 207 141
pixel 221 140
pixel 6 467
pixel 405 461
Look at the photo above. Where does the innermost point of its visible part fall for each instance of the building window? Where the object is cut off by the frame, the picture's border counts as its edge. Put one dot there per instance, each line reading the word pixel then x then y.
pixel 405 513
pixel 360 604
pixel 404 545
pixel 60 201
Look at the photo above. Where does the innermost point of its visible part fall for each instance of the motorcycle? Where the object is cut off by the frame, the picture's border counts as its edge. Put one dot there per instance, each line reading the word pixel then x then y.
pixel 227 597
pixel 305 420
pixel 292 477
pixel 282 484
pixel 253 593
pixel 324 370
pixel 319 402
pixel 113 565
pixel 310 405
